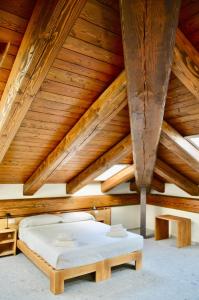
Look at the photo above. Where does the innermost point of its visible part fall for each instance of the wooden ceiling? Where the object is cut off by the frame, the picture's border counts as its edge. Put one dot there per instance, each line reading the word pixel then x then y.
pixel 71 69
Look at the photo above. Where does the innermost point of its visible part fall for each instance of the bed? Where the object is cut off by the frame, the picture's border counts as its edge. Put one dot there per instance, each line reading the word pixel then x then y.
pixel 95 251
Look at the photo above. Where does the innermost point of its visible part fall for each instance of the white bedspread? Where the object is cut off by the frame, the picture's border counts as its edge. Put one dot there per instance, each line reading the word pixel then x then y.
pixel 93 244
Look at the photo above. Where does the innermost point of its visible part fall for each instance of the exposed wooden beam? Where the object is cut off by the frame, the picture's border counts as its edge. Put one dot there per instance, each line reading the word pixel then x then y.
pixel 122 176
pixel 46 32
pixel 103 163
pixel 149 31
pixel 25 207
pixel 156 185
pixel 113 156
pixel 172 176
pixel 186 64
pixel 174 142
pixel 96 117
pixel 181 203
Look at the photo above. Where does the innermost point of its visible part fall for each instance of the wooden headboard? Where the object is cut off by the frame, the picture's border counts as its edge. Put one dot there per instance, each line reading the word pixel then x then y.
pixel 19 208
pixel 101 215
pixel 26 207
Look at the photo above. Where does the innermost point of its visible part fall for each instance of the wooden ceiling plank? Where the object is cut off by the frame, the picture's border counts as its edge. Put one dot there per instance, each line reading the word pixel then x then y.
pixel 51 22
pixel 186 64
pixel 4 46
pixel 172 176
pixel 107 160
pixel 149 31
pixel 100 112
pixel 176 143
pixel 122 176
pixel 156 185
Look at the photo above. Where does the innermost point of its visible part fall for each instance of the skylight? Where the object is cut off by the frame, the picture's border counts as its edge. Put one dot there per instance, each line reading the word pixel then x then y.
pixel 110 172
pixel 194 139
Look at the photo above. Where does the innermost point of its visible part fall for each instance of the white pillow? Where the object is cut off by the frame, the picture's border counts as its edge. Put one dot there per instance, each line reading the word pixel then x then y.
pixel 76 217
pixel 44 219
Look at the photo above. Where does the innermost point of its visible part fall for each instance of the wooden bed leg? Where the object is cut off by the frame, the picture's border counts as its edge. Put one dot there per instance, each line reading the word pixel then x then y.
pixel 56 283
pixel 138 261
pixel 103 271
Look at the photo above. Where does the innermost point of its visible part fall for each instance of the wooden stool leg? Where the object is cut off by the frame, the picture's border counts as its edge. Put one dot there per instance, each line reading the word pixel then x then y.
pixel 56 283
pixel 183 234
pixel 103 271
pixel 161 229
pixel 138 261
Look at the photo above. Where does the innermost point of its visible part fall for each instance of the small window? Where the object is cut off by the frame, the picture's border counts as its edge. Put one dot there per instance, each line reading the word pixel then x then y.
pixel 111 171
pixel 194 140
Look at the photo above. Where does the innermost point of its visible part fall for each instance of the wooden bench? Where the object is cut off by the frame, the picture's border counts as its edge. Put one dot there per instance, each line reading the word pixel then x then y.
pixel 183 229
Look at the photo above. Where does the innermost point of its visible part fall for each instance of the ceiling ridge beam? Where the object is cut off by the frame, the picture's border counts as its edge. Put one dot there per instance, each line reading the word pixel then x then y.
pixel 175 142
pixel 172 176
pixel 49 26
pixel 149 32
pixel 120 177
pixel 107 160
pixel 105 108
pixel 186 63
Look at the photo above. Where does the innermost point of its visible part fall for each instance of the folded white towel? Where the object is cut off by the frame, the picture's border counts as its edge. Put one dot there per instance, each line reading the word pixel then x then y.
pixel 116 227
pixel 68 244
pixel 66 236
pixel 117 231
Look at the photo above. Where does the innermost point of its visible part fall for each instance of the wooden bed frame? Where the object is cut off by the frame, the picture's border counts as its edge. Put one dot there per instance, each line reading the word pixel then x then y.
pixel 102 269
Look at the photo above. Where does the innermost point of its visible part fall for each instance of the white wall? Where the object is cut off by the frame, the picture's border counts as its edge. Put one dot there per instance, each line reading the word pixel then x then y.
pixel 129 216
pixel 15 191
pixel 173 190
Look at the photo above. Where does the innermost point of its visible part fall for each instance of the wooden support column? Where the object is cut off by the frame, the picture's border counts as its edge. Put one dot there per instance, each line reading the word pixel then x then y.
pixel 149 32
pixel 143 197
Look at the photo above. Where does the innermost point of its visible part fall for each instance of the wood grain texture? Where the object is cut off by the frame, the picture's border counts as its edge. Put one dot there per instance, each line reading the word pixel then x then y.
pixel 3 52
pixel 94 119
pixel 156 185
pixel 149 30
pixel 172 176
pixel 180 203
pixel 26 207
pixel 183 229
pixel 122 176
pixel 51 23
pixel 102 268
pixel 177 163
pixel 174 142
pixel 113 156
pixel 186 63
